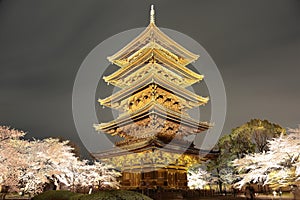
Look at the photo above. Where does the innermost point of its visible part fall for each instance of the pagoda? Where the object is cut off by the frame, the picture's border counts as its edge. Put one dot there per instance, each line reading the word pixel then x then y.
pixel 153 104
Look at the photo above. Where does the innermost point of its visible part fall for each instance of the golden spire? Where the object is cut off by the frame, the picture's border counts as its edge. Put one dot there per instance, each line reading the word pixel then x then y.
pixel 152 13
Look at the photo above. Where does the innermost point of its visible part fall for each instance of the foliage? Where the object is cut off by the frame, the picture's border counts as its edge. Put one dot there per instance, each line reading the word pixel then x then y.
pixel 277 167
pixel 260 132
pixel 249 138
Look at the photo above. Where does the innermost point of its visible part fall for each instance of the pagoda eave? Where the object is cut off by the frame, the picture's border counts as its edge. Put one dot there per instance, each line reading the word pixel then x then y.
pixel 152 145
pixel 115 99
pixel 190 76
pixel 153 48
pixel 149 145
pixel 113 127
pixel 126 79
pixel 151 33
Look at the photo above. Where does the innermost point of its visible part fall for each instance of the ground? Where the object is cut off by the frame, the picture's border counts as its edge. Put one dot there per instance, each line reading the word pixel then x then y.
pixel 265 197
pixel 262 197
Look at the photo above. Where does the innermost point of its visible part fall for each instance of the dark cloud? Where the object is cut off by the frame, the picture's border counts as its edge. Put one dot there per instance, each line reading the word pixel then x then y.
pixel 255 44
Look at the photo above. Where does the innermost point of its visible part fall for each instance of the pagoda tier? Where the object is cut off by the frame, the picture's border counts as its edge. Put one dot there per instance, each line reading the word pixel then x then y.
pixel 136 73
pixel 153 148
pixel 148 60
pixel 149 163
pixel 155 119
pixel 154 87
pixel 150 40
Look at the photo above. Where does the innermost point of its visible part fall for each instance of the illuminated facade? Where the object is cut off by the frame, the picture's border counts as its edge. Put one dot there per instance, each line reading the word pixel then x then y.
pixel 153 102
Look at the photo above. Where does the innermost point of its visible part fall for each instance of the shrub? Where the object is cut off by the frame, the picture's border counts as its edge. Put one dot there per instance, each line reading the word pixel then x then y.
pixel 102 195
pixel 116 195
pixel 55 195
pixel 76 197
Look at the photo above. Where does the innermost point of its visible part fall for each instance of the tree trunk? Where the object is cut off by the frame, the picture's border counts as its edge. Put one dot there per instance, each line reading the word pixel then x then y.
pixel 3 196
pixel 219 181
pixel 220 187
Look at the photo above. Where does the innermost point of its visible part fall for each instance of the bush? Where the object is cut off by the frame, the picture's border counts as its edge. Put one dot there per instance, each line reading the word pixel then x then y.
pixel 102 195
pixel 55 195
pixel 116 195
pixel 76 197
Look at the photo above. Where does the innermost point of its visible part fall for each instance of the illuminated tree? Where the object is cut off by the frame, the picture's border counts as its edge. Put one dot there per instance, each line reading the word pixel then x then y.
pixel 27 165
pixel 246 139
pixel 46 159
pixel 277 167
pixel 52 160
pixel 11 159
pixel 83 174
pixel 198 178
pixel 7 133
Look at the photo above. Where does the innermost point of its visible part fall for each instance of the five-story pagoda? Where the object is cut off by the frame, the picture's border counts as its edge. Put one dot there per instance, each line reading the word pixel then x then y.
pixel 153 102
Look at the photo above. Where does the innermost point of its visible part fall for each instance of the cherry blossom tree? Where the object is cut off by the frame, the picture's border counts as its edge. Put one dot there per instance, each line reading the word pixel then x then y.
pixel 11 159
pixel 8 133
pixel 198 178
pixel 94 174
pixel 52 160
pixel 277 167
pixel 46 159
pixel 27 165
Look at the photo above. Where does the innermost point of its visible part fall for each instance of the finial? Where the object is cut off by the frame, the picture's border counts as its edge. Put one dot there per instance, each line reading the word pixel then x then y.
pixel 152 13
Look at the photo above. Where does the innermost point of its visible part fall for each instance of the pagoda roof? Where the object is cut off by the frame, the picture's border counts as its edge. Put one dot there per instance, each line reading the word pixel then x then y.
pixel 147 54
pixel 152 108
pixel 152 144
pixel 147 144
pixel 153 38
pixel 192 98
pixel 129 77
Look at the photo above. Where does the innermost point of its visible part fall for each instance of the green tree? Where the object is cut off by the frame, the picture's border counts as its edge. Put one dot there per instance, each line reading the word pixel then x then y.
pixel 258 132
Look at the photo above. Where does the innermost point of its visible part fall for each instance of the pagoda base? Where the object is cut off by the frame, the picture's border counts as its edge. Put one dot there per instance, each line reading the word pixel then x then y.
pixel 160 179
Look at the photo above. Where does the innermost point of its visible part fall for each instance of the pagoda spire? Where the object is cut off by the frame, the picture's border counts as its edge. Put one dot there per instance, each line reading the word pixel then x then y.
pixel 152 14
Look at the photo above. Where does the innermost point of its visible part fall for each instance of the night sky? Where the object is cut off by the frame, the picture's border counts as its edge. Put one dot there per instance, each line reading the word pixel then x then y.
pixel 255 44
